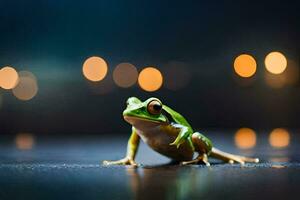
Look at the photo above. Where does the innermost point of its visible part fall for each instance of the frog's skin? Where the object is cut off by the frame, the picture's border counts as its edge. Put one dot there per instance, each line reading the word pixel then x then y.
pixel 168 133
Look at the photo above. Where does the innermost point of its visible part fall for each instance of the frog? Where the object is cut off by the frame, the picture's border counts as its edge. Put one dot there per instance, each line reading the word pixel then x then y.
pixel 167 132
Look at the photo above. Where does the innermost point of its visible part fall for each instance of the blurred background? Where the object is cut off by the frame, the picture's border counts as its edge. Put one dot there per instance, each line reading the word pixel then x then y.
pixel 67 67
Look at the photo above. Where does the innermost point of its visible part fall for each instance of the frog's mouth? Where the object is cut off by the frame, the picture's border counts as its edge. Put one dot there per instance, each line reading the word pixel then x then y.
pixel 141 122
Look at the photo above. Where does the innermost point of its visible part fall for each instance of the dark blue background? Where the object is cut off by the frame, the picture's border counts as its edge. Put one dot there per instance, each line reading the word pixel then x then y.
pixel 52 39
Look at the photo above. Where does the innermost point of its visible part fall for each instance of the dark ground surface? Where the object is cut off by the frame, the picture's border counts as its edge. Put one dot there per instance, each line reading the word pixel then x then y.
pixel 69 168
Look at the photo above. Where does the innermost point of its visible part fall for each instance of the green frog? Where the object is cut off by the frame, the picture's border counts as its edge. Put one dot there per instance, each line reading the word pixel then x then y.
pixel 169 133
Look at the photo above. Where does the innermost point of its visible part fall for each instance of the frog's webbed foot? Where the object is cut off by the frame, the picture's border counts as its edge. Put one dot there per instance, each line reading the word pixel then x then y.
pixel 124 161
pixel 201 158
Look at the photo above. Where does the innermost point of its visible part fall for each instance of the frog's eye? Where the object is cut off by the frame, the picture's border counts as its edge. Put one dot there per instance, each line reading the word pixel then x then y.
pixel 154 107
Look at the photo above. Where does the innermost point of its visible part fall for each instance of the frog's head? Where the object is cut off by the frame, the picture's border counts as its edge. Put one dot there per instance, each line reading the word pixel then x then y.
pixel 147 112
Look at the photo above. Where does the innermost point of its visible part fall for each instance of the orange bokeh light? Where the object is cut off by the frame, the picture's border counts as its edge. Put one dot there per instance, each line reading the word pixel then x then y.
pixel 279 138
pixel 8 78
pixel 125 75
pixel 150 79
pixel 245 65
pixel 94 68
pixel 275 62
pixel 245 138
pixel 24 141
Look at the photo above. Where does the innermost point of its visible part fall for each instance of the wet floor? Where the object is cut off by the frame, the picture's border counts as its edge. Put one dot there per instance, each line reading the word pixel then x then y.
pixel 56 167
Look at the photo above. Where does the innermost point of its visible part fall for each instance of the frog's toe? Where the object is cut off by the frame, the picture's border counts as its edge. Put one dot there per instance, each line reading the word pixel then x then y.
pixel 201 158
pixel 242 160
pixel 133 163
pixel 191 162
pixel 124 161
pixel 194 162
pixel 105 162
pixel 108 162
pixel 231 158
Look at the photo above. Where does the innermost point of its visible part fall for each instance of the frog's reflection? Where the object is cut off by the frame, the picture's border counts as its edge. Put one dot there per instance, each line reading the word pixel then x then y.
pixel 167 182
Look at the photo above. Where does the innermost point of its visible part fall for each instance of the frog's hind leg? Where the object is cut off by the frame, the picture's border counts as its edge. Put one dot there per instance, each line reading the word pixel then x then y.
pixel 231 158
pixel 202 147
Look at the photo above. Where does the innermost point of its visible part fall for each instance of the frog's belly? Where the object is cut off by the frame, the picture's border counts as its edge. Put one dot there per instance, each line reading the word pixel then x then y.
pixel 159 139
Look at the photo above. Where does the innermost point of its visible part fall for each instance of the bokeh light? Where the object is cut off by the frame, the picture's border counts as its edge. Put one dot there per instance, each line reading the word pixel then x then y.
pixel 94 68
pixel 176 75
pixel 125 75
pixel 27 87
pixel 275 62
pixel 8 78
pixel 150 79
pixel 245 138
pixel 245 65
pixel 279 138
pixel 24 141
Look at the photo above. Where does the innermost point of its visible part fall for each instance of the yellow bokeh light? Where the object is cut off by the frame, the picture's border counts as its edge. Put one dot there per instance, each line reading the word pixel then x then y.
pixel 27 87
pixel 245 65
pixel 8 78
pixel 150 79
pixel 279 138
pixel 94 68
pixel 125 75
pixel 245 138
pixel 275 62
pixel 24 141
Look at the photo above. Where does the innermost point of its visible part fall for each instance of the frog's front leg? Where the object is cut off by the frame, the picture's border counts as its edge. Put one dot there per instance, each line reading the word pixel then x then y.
pixel 132 147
